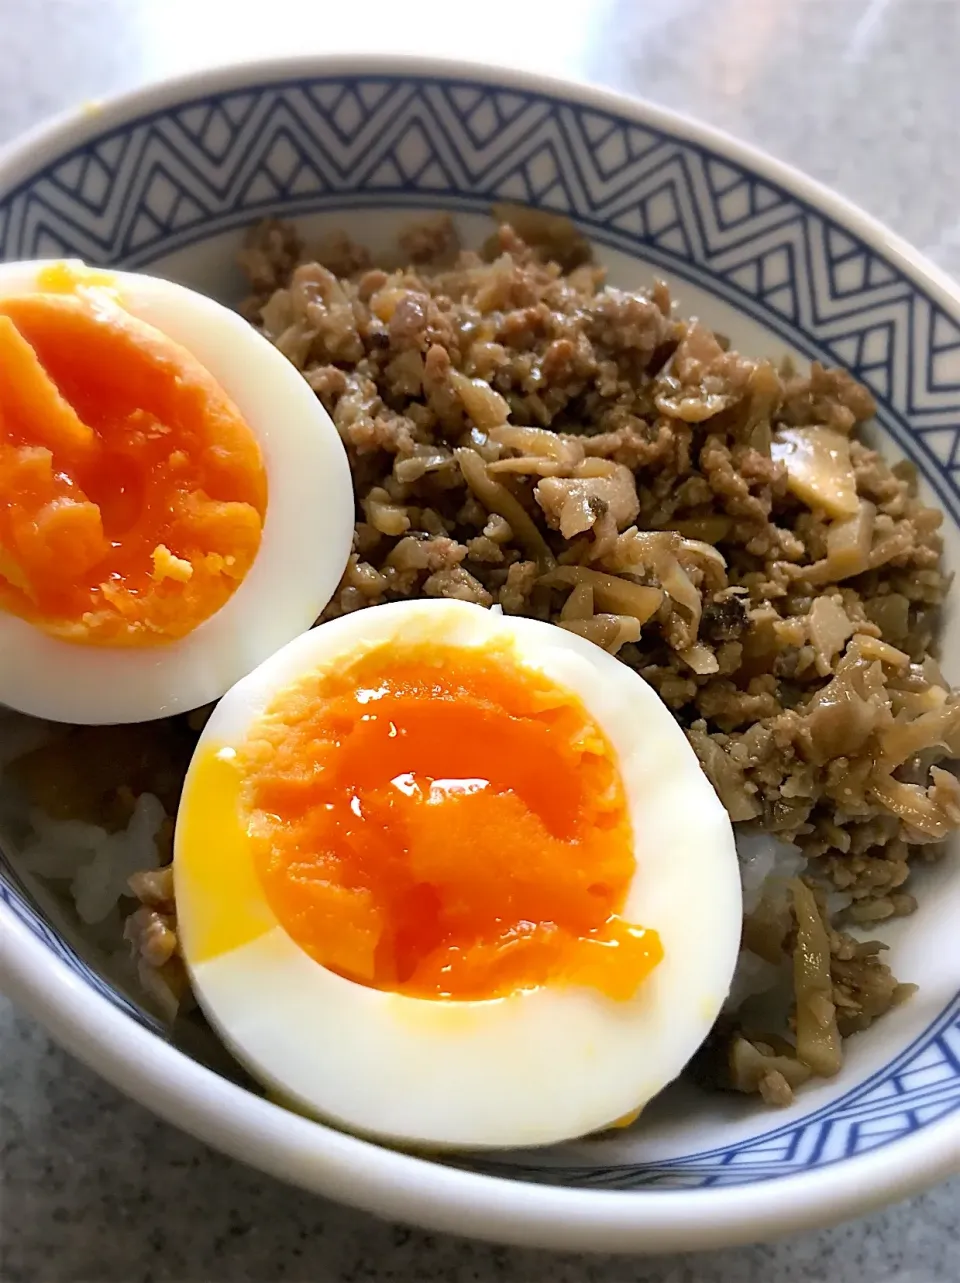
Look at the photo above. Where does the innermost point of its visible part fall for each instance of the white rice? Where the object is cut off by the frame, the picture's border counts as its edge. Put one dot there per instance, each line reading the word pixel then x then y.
pixel 766 867
pixel 95 863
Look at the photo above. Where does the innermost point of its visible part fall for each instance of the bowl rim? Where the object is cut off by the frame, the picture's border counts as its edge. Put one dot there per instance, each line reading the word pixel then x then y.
pixel 386 1182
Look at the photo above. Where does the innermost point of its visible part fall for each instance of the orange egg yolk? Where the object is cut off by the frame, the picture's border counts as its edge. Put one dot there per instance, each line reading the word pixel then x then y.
pixel 132 491
pixel 446 824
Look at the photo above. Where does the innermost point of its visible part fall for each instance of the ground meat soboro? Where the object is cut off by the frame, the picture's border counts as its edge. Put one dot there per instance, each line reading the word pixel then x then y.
pixel 521 433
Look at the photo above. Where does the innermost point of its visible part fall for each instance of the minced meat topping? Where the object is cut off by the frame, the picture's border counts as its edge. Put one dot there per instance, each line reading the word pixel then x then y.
pixel 522 434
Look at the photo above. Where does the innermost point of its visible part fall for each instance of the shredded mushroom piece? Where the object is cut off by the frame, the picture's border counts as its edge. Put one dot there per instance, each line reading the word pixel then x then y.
pixel 497 498
pixel 574 505
pixel 914 805
pixel 485 406
pixel 579 605
pixel 386 517
pixel 903 740
pixel 701 659
pixel 530 465
pixel 819 471
pixel 818 1038
pixel 829 628
pixel 610 593
pixel 945 792
pixel 755 1067
pixel 608 631
pixel 659 551
pixel 701 551
pixel 709 530
pixel 872 648
pixel 539 443
pixel 849 542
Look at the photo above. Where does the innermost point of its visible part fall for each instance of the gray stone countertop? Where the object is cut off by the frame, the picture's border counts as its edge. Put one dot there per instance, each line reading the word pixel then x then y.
pixel 862 94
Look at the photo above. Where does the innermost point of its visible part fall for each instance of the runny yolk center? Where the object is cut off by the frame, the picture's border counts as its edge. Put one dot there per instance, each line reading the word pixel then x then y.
pixel 447 824
pixel 132 491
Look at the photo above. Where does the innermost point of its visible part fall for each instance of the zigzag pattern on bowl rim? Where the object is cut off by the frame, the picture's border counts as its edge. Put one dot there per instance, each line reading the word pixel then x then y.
pixel 177 176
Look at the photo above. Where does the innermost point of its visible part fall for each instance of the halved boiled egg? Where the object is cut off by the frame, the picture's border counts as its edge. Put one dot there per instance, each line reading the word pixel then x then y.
pixel 453 878
pixel 175 503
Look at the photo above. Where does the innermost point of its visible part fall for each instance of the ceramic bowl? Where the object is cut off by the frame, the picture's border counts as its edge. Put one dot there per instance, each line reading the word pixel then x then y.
pixel 166 179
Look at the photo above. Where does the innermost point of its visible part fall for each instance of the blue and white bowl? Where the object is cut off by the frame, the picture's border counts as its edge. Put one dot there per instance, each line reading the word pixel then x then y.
pixel 166 180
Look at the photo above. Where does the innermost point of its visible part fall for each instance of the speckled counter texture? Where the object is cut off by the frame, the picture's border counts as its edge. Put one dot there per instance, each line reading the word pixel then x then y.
pixel 862 94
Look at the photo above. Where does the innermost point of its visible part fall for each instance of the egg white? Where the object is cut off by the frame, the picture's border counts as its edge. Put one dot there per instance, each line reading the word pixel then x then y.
pixel 306 538
pixel 529 1069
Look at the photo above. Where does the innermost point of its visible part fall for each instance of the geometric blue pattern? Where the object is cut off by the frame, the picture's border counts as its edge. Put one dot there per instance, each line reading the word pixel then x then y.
pixel 182 174
pixel 920 1086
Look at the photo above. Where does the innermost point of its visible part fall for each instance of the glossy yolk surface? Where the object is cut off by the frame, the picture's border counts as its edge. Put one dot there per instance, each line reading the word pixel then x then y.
pixel 132 492
pixel 445 823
